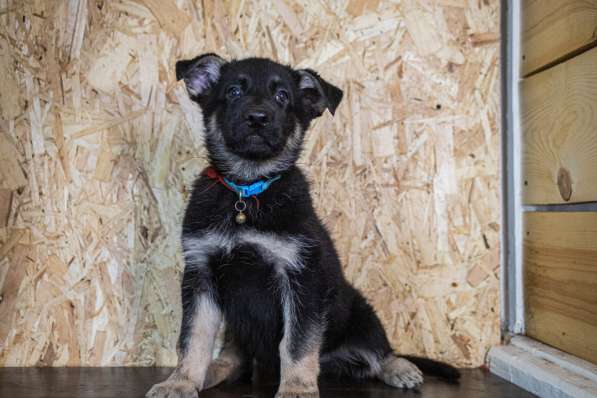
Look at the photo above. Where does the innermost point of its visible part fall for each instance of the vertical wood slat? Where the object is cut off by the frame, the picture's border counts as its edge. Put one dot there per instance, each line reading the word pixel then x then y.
pixel 559 127
pixel 551 29
pixel 560 270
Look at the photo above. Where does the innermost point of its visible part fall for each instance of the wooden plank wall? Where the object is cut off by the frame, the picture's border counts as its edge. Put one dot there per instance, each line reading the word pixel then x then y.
pixel 559 123
pixel 559 127
pixel 552 29
pixel 561 280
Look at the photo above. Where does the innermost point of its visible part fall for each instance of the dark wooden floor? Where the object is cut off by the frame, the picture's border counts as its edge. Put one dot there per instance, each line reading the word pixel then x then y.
pixel 134 382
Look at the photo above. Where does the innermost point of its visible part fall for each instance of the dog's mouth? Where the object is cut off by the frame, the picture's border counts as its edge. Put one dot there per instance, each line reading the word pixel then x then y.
pixel 255 139
pixel 256 145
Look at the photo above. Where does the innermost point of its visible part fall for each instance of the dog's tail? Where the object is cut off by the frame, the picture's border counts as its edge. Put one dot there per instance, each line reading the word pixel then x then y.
pixel 434 368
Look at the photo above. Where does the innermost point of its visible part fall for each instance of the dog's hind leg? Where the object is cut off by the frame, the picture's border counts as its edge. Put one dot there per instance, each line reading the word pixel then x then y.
pixel 399 372
pixel 354 362
pixel 363 363
pixel 362 351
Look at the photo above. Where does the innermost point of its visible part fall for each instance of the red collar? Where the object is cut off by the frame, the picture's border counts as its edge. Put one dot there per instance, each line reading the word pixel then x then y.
pixel 213 174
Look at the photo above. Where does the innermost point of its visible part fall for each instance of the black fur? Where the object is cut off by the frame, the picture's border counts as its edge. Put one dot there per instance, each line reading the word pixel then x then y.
pixel 244 282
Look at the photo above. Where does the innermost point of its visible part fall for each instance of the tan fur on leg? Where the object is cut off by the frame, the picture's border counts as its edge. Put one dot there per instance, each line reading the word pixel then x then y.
pixel 226 367
pixel 298 378
pixel 189 376
pixel 400 372
pixel 173 388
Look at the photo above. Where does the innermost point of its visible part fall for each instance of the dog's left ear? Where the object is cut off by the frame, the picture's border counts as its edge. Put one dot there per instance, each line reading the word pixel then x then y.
pixel 200 74
pixel 316 93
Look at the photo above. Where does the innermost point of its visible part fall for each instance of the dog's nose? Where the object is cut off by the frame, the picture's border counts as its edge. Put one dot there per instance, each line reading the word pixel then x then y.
pixel 257 119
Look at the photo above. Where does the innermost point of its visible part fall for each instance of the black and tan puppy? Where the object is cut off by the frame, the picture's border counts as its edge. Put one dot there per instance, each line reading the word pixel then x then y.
pixel 256 254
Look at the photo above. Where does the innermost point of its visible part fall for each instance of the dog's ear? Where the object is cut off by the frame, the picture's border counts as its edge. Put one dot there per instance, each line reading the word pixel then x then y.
pixel 200 74
pixel 316 93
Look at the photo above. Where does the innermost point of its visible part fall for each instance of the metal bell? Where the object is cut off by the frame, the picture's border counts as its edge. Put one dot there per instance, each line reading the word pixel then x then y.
pixel 241 218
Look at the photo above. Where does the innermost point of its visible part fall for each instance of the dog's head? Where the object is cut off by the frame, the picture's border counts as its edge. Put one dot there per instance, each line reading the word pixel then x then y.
pixel 256 111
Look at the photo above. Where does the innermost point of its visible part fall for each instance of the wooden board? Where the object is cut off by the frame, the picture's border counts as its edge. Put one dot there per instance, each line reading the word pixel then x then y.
pixel 551 29
pixel 560 270
pixel 559 126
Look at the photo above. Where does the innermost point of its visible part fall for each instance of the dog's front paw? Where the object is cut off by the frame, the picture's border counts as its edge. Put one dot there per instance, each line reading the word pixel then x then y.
pixel 298 386
pixel 298 394
pixel 173 389
pixel 401 373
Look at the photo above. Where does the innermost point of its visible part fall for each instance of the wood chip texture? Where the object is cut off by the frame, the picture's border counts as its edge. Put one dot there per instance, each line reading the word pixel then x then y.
pixel 99 146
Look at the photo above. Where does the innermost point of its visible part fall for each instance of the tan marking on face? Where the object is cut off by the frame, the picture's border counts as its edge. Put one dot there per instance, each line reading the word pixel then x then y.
pixel 241 168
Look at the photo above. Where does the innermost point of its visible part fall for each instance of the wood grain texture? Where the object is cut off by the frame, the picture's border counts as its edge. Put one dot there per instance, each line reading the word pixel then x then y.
pixel 552 29
pixel 560 269
pixel 559 126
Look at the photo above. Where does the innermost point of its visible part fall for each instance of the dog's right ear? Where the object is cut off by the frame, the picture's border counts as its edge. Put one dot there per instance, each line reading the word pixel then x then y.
pixel 200 74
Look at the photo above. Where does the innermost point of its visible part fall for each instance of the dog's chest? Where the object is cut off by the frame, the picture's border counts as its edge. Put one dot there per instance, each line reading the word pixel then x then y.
pixel 249 269
pixel 276 251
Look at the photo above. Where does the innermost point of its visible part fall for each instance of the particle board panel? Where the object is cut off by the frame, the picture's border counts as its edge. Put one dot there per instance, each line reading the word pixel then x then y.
pixel 552 29
pixel 559 127
pixel 560 270
pixel 99 146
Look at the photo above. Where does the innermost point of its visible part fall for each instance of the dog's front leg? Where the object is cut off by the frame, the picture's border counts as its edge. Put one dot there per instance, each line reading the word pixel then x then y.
pixel 227 367
pixel 300 346
pixel 201 317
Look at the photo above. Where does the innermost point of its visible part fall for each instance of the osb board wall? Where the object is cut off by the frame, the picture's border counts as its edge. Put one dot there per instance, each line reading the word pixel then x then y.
pixel 99 144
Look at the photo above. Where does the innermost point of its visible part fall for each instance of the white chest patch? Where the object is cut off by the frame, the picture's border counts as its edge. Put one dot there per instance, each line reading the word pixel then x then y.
pixel 282 251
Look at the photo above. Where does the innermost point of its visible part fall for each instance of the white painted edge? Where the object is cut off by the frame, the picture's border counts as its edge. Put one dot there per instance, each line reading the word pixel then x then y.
pixel 566 361
pixel 518 327
pixel 542 370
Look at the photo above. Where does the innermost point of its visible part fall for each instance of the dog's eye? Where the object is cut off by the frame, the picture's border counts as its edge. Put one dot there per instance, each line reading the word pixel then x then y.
pixel 281 96
pixel 233 92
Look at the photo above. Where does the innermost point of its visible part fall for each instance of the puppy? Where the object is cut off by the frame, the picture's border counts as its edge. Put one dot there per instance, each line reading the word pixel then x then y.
pixel 256 254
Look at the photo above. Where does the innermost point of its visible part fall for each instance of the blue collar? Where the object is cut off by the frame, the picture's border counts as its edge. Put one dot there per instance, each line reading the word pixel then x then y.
pixel 253 189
